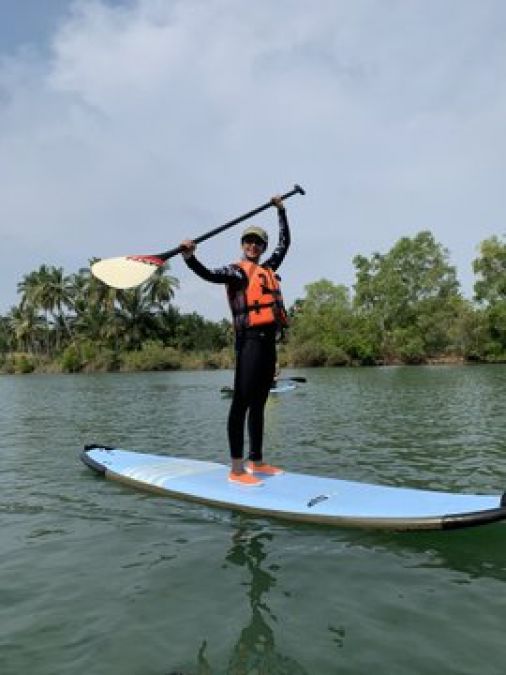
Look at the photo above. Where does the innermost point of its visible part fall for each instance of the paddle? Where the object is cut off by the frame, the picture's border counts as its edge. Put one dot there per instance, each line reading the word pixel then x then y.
pixel 132 270
pixel 230 390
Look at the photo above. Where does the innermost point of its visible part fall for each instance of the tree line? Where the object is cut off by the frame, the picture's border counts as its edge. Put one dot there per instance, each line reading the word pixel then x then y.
pixel 406 306
pixel 76 322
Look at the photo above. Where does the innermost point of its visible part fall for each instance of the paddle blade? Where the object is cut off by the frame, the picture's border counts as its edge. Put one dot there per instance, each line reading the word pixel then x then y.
pixel 126 271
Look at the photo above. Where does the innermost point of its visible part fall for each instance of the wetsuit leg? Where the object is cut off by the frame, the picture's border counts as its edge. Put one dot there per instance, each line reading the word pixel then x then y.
pixel 239 405
pixel 255 365
pixel 259 398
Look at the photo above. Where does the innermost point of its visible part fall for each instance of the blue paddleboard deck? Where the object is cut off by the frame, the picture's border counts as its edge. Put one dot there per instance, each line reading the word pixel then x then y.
pixel 297 497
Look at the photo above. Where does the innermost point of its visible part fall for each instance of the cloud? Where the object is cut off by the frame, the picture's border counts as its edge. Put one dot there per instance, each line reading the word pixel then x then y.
pixel 148 121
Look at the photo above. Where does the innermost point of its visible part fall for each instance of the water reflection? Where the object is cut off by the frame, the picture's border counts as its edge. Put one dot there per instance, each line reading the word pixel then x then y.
pixel 255 651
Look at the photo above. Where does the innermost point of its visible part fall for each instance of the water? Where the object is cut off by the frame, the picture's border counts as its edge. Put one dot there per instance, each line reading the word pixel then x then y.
pixel 98 579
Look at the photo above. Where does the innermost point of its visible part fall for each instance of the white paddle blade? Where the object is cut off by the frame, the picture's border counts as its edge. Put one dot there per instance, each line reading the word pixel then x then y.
pixel 126 272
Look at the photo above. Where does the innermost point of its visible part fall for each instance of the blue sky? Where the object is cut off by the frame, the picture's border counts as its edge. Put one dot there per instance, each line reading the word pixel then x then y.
pixel 128 126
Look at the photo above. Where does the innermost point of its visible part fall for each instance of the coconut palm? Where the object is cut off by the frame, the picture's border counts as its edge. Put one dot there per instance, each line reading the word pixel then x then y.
pixel 43 291
pixel 94 307
pixel 135 317
pixel 7 337
pixel 28 327
pixel 29 289
pixel 160 288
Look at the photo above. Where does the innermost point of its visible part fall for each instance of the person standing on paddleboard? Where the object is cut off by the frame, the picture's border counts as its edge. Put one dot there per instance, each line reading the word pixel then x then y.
pixel 259 315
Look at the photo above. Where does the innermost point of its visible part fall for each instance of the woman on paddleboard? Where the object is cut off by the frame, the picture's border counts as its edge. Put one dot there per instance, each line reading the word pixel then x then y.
pixel 259 315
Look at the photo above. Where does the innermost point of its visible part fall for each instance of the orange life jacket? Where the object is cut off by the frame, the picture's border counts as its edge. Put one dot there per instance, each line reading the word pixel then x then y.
pixel 261 302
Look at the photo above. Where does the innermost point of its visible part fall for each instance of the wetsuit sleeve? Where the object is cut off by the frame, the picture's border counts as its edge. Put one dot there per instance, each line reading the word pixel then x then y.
pixel 279 252
pixel 228 274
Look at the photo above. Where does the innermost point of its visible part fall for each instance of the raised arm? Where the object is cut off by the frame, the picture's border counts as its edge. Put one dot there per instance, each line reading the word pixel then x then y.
pixel 228 274
pixel 277 256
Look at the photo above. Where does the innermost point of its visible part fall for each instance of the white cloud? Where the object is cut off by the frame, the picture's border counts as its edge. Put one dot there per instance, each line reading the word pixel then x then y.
pixel 153 121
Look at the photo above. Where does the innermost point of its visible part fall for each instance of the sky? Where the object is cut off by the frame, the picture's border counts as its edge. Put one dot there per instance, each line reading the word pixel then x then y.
pixel 127 126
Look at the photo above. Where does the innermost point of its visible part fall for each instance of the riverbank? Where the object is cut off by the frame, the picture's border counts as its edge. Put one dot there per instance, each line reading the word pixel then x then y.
pixel 85 360
pixel 158 358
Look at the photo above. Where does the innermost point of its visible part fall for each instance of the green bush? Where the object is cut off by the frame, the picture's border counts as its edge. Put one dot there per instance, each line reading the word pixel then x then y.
pixel 218 360
pixel 337 357
pixel 18 363
pixel 88 356
pixel 413 351
pixel 106 360
pixel 493 352
pixel 308 355
pixel 363 350
pixel 25 364
pixel 152 356
pixel 71 360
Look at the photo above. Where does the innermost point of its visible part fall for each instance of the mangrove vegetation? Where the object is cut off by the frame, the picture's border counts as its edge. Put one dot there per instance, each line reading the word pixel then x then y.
pixel 406 306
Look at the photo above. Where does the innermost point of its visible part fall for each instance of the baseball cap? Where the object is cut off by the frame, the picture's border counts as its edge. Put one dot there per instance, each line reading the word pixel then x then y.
pixel 254 230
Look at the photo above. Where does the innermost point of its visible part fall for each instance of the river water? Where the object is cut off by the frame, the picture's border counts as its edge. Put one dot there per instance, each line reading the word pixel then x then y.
pixel 99 579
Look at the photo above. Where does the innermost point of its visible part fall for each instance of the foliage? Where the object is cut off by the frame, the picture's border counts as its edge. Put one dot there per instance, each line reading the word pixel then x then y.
pixel 411 294
pixel 24 363
pixel 7 338
pixel 19 362
pixel 490 293
pixel 72 360
pixel 194 333
pixel 196 360
pixel 490 267
pixel 307 354
pixel 405 307
pixel 86 355
pixel 152 356
pixel 322 325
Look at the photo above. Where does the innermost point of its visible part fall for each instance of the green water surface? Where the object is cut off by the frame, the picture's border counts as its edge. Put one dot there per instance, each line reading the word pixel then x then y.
pixel 98 579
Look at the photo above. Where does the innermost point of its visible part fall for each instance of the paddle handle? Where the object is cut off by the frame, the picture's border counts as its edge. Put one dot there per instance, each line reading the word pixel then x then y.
pixel 297 190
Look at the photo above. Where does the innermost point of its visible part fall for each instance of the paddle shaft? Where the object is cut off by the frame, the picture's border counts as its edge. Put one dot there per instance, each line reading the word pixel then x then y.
pixel 174 251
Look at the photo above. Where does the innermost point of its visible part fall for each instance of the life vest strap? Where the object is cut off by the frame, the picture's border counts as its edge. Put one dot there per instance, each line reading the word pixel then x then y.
pixel 257 306
pixel 270 291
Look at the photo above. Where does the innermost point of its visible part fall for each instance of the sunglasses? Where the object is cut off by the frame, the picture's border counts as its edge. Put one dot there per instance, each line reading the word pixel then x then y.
pixel 253 240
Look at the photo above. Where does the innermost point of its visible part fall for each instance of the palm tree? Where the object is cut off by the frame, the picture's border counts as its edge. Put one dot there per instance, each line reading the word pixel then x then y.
pixel 59 295
pixel 94 306
pixel 81 306
pixel 37 295
pixel 136 320
pixel 29 288
pixel 28 328
pixel 7 337
pixel 160 288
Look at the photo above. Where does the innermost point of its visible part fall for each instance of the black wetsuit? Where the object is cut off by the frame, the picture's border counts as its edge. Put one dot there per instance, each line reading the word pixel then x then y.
pixel 255 353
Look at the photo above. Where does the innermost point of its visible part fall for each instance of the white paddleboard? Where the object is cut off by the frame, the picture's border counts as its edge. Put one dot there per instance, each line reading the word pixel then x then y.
pixel 281 387
pixel 298 497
